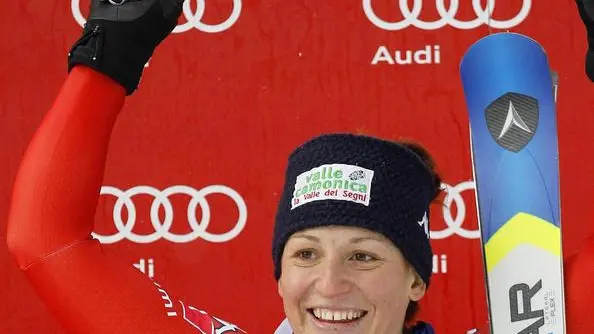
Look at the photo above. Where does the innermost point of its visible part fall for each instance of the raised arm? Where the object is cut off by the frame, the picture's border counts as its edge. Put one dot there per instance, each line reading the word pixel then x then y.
pixel 58 185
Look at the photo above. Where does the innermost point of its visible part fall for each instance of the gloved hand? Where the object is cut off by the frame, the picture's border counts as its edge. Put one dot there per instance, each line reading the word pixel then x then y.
pixel 586 10
pixel 120 36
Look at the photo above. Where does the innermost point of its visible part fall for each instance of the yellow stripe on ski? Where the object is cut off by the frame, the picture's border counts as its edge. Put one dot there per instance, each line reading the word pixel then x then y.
pixel 523 228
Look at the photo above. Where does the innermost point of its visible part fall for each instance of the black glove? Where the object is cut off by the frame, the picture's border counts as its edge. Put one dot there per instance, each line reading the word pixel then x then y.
pixel 120 36
pixel 586 10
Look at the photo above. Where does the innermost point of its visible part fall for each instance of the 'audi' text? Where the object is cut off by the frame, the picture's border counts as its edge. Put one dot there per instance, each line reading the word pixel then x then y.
pixel 430 54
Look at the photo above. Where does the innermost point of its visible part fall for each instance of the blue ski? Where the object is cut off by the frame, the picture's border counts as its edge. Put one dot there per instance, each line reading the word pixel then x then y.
pixel 510 96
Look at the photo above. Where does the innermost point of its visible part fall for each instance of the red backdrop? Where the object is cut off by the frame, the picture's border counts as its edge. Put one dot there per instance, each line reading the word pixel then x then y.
pixel 225 104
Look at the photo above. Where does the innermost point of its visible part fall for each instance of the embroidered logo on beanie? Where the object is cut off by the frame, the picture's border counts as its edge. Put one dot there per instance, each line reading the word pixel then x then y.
pixel 333 182
pixel 424 223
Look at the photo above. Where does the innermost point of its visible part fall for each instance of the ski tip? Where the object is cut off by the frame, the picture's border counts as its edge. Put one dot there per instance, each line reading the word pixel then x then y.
pixel 497 40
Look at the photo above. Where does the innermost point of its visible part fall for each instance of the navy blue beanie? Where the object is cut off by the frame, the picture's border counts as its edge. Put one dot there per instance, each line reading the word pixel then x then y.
pixel 359 181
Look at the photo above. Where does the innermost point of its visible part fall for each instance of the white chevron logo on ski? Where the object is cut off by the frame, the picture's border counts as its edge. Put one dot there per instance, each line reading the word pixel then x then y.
pixel 513 118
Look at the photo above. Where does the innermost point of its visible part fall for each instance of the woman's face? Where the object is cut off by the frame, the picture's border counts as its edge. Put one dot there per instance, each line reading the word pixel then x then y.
pixel 346 280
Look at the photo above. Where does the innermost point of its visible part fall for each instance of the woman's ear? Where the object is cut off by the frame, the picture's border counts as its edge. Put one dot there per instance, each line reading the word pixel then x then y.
pixel 279 288
pixel 417 288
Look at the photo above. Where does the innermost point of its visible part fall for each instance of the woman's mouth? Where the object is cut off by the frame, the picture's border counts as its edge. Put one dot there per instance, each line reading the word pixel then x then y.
pixel 337 315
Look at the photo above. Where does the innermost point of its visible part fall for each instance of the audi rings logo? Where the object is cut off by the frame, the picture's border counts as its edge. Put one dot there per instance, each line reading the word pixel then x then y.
pixel 454 224
pixel 193 18
pixel 162 228
pixel 411 17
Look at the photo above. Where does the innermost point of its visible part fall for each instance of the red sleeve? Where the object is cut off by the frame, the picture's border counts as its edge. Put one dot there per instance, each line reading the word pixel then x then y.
pixel 51 218
pixel 579 290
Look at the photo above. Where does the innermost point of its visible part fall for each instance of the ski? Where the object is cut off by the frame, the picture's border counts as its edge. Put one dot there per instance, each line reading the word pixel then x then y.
pixel 510 97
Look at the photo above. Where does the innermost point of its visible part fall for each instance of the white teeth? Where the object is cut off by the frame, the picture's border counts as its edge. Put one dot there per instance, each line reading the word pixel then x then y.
pixel 330 315
pixel 317 313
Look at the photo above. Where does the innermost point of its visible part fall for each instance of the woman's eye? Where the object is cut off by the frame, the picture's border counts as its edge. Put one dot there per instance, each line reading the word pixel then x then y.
pixel 362 257
pixel 305 255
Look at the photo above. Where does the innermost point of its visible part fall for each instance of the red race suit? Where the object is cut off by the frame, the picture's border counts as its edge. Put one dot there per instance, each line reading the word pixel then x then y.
pixel 52 216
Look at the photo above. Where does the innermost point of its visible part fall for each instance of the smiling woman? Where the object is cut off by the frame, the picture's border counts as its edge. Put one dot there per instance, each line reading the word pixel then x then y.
pixel 356 266
pixel 346 278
